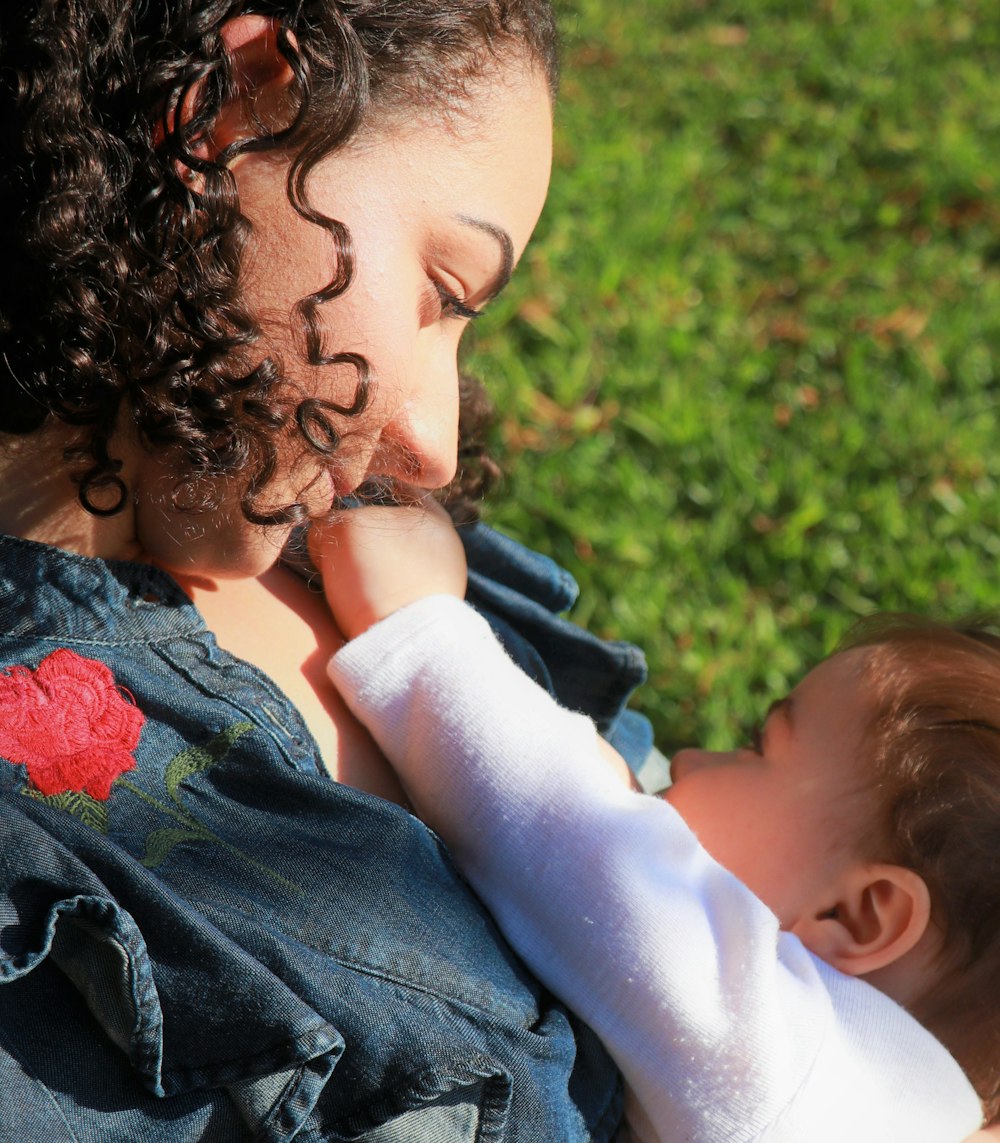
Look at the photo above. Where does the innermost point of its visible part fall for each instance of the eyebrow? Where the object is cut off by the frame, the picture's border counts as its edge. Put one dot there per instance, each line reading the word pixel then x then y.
pixel 503 240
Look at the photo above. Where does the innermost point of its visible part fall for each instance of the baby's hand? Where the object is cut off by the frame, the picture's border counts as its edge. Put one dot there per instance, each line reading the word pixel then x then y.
pixel 376 560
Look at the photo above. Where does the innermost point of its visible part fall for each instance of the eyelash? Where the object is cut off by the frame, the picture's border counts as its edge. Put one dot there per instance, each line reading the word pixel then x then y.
pixel 453 306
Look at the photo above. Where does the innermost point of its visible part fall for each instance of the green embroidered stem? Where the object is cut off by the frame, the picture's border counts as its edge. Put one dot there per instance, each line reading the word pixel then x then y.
pixel 258 864
pixel 161 842
pixel 182 766
pixel 181 815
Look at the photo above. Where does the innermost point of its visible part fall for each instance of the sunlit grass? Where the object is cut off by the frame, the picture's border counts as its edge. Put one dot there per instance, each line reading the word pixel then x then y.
pixel 747 378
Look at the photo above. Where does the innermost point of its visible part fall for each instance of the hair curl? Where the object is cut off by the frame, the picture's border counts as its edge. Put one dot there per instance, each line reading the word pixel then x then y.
pixel 121 281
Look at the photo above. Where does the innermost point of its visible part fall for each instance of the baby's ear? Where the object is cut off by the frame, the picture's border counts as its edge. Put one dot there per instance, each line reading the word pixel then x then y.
pixel 874 916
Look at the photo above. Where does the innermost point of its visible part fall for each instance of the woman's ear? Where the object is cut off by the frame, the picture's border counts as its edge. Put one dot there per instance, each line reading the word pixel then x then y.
pixel 262 80
pixel 874 916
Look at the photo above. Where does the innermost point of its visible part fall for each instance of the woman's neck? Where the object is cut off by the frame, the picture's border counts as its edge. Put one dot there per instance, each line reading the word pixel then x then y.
pixel 38 500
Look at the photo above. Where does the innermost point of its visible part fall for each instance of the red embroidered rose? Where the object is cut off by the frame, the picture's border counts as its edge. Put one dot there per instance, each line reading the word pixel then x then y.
pixel 69 724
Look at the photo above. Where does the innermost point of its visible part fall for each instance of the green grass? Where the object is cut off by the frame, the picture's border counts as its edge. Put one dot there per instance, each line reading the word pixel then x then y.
pixel 747 376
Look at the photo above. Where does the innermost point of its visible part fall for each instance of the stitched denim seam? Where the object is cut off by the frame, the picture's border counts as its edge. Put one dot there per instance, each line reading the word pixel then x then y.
pixel 70 640
pixel 249 709
pixel 215 1073
pixel 431 1082
pixel 281 1115
pixel 377 972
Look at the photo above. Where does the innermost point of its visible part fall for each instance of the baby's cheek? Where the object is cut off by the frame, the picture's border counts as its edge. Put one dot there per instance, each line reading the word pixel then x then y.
pixel 736 830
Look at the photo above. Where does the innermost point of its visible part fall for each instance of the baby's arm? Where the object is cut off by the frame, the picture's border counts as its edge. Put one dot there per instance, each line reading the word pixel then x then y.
pixel 715 1018
pixel 376 560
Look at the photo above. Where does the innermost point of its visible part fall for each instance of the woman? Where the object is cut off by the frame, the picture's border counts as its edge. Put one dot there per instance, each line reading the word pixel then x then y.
pixel 242 242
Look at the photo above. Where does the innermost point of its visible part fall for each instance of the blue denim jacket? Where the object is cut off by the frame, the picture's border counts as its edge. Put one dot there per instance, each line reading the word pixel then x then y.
pixel 230 946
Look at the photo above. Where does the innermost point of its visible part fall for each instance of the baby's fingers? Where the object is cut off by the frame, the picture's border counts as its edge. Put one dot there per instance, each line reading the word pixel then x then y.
pixel 375 560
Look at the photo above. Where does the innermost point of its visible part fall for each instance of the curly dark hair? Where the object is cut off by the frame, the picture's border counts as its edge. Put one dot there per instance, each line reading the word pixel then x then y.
pixel 121 279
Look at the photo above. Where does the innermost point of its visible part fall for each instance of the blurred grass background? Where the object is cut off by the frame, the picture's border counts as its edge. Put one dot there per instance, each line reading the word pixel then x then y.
pixel 747 375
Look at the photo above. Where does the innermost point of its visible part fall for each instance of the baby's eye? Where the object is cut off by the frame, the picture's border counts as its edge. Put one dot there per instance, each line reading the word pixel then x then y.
pixel 453 306
pixel 755 738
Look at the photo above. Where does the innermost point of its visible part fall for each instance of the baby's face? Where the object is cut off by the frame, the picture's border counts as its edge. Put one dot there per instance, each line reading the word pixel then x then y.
pixel 784 813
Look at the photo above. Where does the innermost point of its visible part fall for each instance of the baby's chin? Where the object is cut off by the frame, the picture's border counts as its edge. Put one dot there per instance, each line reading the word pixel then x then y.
pixel 203 531
pixel 213 545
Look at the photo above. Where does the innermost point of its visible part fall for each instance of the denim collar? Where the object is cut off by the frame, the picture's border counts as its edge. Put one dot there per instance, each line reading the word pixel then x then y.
pixel 49 592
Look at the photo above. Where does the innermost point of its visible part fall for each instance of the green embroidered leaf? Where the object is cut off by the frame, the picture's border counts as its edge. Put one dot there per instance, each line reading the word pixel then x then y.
pixel 196 759
pixel 89 810
pixel 161 842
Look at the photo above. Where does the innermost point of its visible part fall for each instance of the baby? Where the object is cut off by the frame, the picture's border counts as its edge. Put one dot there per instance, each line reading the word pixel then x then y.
pixel 797 941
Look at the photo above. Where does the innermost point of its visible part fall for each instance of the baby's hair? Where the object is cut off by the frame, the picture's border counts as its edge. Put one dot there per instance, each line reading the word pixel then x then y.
pixel 935 761
pixel 121 277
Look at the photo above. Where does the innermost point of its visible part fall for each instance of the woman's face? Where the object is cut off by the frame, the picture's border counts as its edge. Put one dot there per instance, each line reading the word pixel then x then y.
pixel 438 210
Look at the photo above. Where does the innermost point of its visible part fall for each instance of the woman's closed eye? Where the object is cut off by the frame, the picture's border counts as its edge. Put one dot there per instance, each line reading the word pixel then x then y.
pixel 452 306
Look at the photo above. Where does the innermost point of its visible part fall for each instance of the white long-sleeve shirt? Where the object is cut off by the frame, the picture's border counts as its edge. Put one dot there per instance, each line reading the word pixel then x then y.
pixel 726 1029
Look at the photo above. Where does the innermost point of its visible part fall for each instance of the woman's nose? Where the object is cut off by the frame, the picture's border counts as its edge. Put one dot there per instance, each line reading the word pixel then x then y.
pixel 419 442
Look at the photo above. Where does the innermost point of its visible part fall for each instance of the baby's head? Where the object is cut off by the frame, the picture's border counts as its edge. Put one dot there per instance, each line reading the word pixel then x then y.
pixel 216 213
pixel 866 814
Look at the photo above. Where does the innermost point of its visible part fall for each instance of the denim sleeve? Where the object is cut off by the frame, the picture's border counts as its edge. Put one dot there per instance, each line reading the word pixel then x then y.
pixel 521 594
